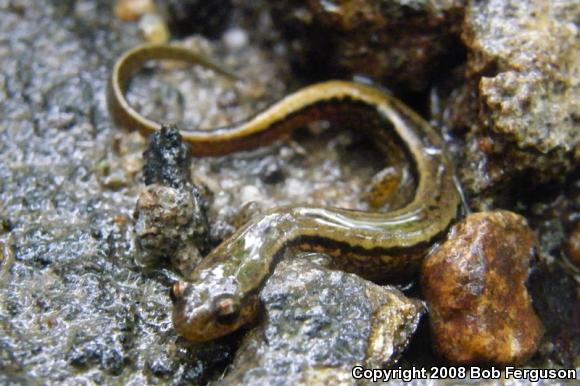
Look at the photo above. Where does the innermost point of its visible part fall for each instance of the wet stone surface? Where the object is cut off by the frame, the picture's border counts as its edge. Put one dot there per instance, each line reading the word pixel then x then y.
pixel 474 283
pixel 74 306
pixel 318 324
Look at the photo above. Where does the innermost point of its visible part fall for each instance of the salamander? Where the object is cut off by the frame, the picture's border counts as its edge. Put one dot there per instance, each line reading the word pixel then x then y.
pixel 222 295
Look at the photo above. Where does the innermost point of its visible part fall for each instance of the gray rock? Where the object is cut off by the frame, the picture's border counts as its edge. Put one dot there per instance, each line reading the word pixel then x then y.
pixel 171 225
pixel 170 228
pixel 318 324
pixel 518 102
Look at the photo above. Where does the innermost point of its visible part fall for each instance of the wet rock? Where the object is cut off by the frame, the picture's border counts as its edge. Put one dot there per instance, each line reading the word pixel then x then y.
pixel 108 352
pixel 318 324
pixel 167 160
pixel 169 228
pixel 208 17
pixel 474 284
pixel 170 216
pixel 403 43
pixel 517 106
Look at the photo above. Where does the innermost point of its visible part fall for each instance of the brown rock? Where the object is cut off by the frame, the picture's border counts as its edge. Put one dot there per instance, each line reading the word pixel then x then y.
pixel 474 285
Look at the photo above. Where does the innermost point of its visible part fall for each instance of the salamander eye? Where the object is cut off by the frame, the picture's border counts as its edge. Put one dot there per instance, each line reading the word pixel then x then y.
pixel 177 291
pixel 226 309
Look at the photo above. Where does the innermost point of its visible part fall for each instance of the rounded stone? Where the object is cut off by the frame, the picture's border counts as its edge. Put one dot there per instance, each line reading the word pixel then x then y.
pixel 474 285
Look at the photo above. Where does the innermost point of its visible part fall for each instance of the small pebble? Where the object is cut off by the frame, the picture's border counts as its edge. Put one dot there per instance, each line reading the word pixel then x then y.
pixel 474 284
pixel 111 175
pixel 235 38
pixel 154 28
pixel 132 10
pixel 250 193
pixel 131 143
pixel 270 171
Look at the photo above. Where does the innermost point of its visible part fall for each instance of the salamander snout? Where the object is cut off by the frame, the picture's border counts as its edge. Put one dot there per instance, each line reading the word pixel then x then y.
pixel 207 309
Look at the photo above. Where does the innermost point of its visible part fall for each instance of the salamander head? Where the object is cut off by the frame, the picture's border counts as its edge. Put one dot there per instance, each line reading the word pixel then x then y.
pixel 210 308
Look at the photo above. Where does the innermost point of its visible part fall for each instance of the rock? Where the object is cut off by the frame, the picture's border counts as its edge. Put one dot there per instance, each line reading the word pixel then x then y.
pixel 170 221
pixel 131 10
pixel 169 228
pixel 112 175
pixel 167 160
pixel 474 284
pixel 154 29
pixel 318 324
pixel 517 106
